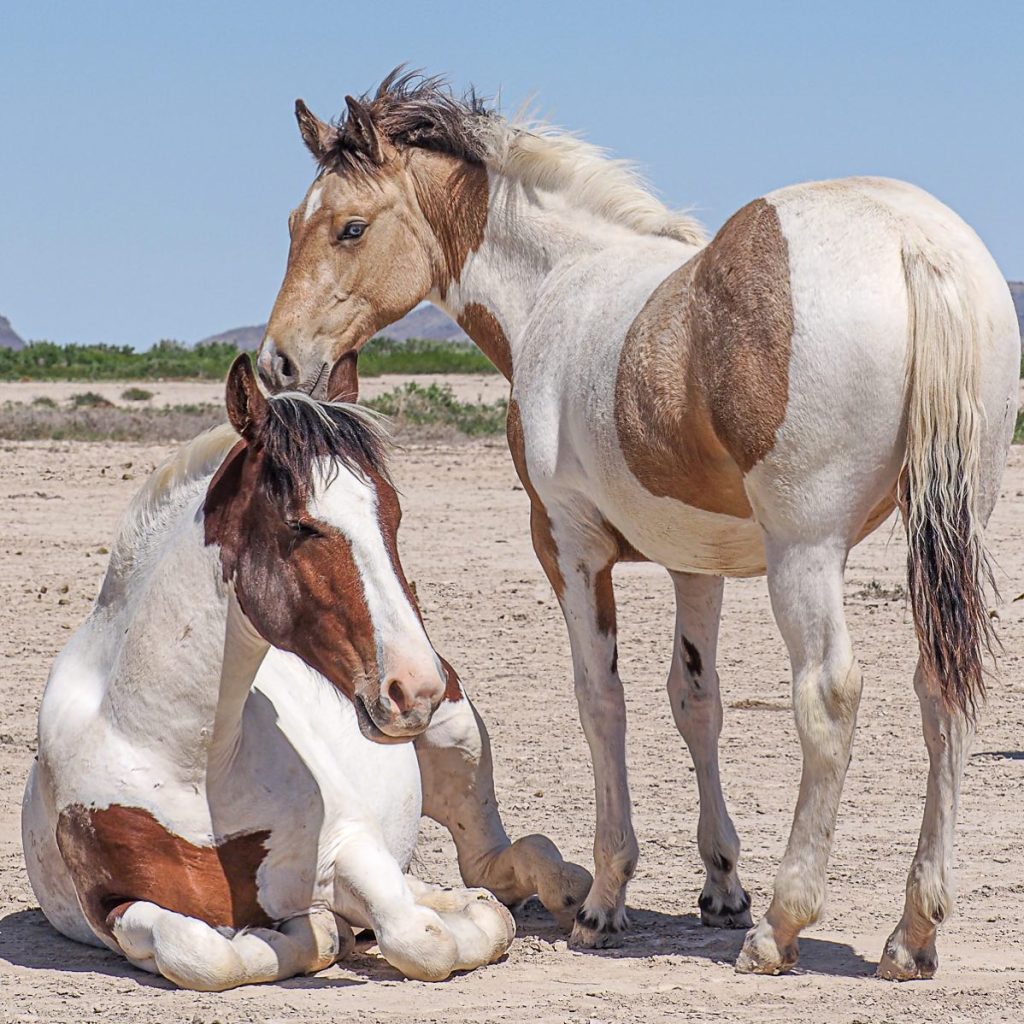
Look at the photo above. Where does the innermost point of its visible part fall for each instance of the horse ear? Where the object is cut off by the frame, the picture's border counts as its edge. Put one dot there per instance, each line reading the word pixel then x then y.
pixel 360 131
pixel 247 405
pixel 318 135
pixel 343 385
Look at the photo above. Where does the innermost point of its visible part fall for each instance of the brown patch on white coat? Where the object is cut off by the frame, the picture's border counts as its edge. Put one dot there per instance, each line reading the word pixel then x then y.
pixel 117 855
pixel 703 377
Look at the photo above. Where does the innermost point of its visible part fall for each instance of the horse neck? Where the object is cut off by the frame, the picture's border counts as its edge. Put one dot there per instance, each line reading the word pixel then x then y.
pixel 188 656
pixel 531 240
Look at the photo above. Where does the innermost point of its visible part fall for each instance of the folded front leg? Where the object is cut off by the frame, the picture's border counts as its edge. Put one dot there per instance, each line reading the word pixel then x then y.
pixel 422 942
pixel 458 792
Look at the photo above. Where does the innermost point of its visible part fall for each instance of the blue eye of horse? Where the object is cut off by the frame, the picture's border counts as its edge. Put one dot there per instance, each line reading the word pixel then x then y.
pixel 353 229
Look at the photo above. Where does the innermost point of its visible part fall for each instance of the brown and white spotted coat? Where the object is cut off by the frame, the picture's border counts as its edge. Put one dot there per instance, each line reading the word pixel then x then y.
pixel 220 810
pixel 753 404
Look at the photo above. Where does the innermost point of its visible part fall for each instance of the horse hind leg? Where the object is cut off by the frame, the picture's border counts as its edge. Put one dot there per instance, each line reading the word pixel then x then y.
pixel 806 586
pixel 910 950
pixel 194 955
pixel 696 703
pixel 458 792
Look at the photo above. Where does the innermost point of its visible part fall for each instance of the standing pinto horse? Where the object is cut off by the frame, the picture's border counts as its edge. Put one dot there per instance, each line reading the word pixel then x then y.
pixel 756 403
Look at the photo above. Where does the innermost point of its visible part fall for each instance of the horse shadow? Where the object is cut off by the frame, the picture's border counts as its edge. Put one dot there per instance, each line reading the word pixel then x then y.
pixel 28 940
pixel 656 933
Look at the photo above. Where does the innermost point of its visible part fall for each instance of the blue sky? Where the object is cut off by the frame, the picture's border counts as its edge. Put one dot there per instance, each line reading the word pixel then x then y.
pixel 149 157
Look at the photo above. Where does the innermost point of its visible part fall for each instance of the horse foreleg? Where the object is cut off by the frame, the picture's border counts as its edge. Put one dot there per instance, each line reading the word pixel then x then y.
pixel 577 554
pixel 806 586
pixel 910 951
pixel 458 792
pixel 419 930
pixel 697 708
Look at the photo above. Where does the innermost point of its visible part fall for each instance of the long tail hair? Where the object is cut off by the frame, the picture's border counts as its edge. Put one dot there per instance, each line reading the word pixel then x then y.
pixel 947 566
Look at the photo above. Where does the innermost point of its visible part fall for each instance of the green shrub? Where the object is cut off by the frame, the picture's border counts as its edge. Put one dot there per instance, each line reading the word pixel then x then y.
pixel 90 400
pixel 42 360
pixel 136 395
pixel 44 402
pixel 435 406
pixel 1018 431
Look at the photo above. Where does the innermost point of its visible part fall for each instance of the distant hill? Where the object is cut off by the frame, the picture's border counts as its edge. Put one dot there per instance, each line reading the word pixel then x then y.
pixel 1017 291
pixel 246 339
pixel 8 337
pixel 424 322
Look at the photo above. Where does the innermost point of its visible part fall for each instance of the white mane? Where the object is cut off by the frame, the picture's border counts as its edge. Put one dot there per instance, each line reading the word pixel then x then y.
pixel 545 157
pixel 164 492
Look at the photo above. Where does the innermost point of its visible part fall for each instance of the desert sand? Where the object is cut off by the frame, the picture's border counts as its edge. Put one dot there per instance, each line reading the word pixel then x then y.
pixel 465 542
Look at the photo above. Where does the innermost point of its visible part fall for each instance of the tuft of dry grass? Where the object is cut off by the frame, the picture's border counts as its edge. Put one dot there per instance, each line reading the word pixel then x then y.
pixel 108 422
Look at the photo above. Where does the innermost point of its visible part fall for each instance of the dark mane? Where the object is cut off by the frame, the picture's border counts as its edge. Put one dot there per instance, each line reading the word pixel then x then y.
pixel 299 431
pixel 412 109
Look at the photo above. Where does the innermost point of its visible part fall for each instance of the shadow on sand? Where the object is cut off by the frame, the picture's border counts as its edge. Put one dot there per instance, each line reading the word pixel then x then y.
pixel 28 940
pixel 654 933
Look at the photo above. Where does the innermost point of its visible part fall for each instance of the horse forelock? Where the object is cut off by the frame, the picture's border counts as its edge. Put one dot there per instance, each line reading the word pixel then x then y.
pixel 300 433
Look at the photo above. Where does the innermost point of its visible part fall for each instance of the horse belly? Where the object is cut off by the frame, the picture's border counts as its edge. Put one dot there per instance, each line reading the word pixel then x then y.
pixel 680 537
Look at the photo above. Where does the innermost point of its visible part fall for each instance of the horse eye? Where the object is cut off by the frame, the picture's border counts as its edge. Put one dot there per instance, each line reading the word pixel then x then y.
pixel 303 527
pixel 353 229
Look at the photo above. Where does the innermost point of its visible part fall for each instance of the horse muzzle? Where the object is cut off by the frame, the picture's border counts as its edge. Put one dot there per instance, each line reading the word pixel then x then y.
pixel 402 708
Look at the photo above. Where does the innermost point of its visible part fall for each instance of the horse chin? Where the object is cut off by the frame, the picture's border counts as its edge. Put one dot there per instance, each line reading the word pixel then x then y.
pixel 372 731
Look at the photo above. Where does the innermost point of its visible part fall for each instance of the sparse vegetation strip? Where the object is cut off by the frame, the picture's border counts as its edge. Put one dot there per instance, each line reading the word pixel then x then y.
pixel 170 360
pixel 414 411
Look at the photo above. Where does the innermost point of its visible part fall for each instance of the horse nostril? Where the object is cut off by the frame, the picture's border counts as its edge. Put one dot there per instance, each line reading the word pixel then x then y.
pixel 285 369
pixel 398 696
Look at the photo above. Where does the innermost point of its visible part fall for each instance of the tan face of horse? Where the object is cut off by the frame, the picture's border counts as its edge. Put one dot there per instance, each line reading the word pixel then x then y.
pixel 318 574
pixel 373 236
pixel 359 259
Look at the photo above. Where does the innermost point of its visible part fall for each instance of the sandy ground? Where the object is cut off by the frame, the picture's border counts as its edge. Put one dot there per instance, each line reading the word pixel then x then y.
pixel 465 543
pixel 468 387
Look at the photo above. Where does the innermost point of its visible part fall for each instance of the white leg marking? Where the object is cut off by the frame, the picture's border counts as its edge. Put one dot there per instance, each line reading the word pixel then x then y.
pixel 195 956
pixel 417 940
pixel 910 951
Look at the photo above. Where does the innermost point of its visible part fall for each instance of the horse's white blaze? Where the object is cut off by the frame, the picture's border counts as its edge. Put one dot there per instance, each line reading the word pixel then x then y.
pixel 313 201
pixel 350 505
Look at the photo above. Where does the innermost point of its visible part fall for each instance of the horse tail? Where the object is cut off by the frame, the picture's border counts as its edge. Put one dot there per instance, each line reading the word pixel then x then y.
pixel 947 567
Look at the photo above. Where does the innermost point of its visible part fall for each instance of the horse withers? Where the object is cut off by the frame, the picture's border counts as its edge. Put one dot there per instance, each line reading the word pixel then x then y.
pixel 222 792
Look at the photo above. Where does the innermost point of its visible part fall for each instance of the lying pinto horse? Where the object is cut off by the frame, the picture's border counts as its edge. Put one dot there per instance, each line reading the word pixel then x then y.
pixel 754 404
pixel 221 791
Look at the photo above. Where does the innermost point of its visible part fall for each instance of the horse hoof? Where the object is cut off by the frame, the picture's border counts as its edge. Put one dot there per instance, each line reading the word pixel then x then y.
pixel 725 913
pixel 761 954
pixel 495 920
pixel 565 901
pixel 900 964
pixel 598 930
pixel 560 885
